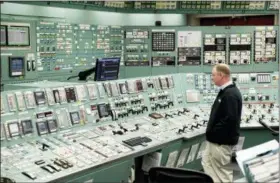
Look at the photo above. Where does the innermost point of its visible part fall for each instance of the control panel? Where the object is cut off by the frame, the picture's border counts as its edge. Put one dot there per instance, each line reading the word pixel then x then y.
pixel 137 47
pixel 215 48
pixel 59 128
pixel 163 47
pixel 265 44
pixel 240 48
pixel 59 51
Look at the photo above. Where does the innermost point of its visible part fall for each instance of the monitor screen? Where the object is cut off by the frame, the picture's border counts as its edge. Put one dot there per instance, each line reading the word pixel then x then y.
pixel 70 94
pixel 18 36
pixel 16 65
pixel 75 117
pixel 13 129
pixel 3 35
pixel 42 127
pixel 52 125
pixel 107 69
pixel 26 126
pixel 40 97
pixel 103 110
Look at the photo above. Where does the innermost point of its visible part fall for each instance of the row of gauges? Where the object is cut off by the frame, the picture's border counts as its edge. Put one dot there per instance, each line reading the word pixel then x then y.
pixel 46 122
pixel 69 94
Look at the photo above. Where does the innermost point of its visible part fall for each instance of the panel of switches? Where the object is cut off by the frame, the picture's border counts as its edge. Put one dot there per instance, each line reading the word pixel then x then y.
pixel 214 49
pixel 265 44
pixel 240 48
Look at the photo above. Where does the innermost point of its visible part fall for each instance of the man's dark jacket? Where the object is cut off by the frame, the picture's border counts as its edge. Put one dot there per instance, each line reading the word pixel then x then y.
pixel 224 123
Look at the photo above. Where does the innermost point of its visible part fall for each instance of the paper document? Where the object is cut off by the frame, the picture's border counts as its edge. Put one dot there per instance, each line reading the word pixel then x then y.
pixel 182 158
pixel 252 152
pixel 151 160
pixel 172 157
pixel 192 153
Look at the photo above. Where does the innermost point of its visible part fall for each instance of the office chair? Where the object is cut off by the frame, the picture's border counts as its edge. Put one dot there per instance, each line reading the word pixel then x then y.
pixel 178 175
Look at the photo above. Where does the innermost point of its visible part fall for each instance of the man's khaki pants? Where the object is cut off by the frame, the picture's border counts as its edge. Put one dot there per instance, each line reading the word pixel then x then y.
pixel 214 159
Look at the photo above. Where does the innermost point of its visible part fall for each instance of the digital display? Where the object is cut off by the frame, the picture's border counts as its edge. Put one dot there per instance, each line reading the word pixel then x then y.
pixel 107 89
pixel 56 96
pixel 139 85
pixel 20 100
pixel 29 98
pixel 107 69
pixel 18 36
pixel 16 65
pixel 13 129
pixel 123 88
pixel 103 110
pixel 92 91
pixel 40 115
pixel 3 35
pixel 70 94
pixel 75 117
pixel 49 96
pixel 42 127
pixel 40 97
pixel 62 95
pixel 81 92
pixel 163 82
pixel 26 126
pixel 63 120
pixel 52 125
pixel 170 82
pixel 11 102
pixel 114 89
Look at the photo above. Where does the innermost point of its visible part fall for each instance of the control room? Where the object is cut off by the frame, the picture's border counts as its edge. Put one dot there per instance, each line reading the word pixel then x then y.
pixel 140 91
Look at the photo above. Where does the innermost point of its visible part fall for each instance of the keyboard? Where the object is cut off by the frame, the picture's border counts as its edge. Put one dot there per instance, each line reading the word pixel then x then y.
pixel 137 141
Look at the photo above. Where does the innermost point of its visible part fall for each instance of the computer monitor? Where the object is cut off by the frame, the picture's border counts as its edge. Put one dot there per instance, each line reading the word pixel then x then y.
pixel 18 36
pixel 16 65
pixel 107 69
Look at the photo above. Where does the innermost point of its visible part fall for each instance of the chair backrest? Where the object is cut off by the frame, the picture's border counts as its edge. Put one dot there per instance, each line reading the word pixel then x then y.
pixel 178 175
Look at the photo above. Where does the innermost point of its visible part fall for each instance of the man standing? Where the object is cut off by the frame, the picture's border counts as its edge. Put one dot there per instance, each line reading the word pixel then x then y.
pixel 223 127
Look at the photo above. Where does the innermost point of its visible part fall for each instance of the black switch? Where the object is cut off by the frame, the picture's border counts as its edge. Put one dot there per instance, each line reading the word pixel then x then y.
pixel 54 168
pixel 48 169
pixel 39 162
pixel 29 175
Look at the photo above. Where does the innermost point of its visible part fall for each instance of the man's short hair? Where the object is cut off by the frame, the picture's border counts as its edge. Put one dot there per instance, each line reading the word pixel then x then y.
pixel 223 68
